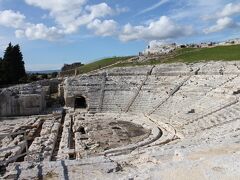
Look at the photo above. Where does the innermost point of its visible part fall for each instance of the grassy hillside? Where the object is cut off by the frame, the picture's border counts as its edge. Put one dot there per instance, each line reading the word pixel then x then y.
pixel 187 55
pixel 190 55
pixel 100 64
pixel 227 53
pixel 96 65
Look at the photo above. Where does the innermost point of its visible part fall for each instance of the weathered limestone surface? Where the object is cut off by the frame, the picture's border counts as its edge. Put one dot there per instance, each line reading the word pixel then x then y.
pixel 64 146
pixel 86 86
pixel 22 100
pixel 43 145
pixel 170 121
pixel 151 85
pixel 28 99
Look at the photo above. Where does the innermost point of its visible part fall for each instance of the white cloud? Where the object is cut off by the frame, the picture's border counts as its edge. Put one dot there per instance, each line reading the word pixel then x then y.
pixel 229 10
pixel 40 32
pixel 163 28
pixel 224 11
pixel 57 6
pixel 160 3
pixel 68 15
pixel 9 18
pixel 99 10
pixel 221 24
pixel 103 28
pixel 16 20
pixel 195 9
pixel 71 15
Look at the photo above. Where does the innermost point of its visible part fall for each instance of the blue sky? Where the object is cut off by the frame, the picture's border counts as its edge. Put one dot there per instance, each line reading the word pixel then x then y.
pixel 54 32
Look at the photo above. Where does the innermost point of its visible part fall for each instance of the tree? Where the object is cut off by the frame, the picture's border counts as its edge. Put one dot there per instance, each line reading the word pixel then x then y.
pixel 32 77
pixel 20 69
pixel 13 64
pixel 54 74
pixel 1 72
pixel 44 76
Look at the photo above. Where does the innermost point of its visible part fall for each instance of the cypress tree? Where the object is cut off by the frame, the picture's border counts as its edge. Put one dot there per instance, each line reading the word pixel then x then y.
pixel 8 65
pixel 13 64
pixel 1 72
pixel 19 66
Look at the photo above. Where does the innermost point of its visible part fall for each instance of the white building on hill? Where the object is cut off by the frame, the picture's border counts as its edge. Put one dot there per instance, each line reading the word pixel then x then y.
pixel 159 48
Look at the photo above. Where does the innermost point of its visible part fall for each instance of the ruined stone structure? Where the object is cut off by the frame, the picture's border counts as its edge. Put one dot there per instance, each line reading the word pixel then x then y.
pixel 168 121
pixel 22 100
pixel 26 99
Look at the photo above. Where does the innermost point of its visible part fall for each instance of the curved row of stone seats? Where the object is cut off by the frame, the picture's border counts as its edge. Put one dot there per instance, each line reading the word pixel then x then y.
pixel 217 98
pixel 149 96
pixel 224 133
pixel 231 87
pixel 202 107
pixel 128 71
pixel 192 91
pixel 118 92
pixel 225 115
pixel 87 80
pixel 117 89
pixel 229 130
pixel 123 82
pixel 191 96
pixel 155 90
pixel 220 68
pixel 186 106
pixel 176 69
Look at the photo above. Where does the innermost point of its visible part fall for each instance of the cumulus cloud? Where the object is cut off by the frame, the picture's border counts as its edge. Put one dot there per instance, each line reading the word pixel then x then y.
pixel 224 18
pixel 40 32
pixel 57 6
pixel 9 18
pixel 71 15
pixel 103 28
pixel 163 28
pixel 229 10
pixel 16 20
pixel 221 24
pixel 68 15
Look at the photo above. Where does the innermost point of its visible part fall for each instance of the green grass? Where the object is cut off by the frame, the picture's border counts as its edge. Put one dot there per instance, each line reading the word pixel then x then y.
pixel 225 53
pixel 100 64
pixel 191 55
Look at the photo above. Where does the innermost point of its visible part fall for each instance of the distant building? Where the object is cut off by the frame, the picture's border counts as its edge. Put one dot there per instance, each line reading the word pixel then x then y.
pixel 158 48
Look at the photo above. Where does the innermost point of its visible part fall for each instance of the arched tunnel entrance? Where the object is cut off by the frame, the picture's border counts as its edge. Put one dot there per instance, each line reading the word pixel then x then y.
pixel 80 103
